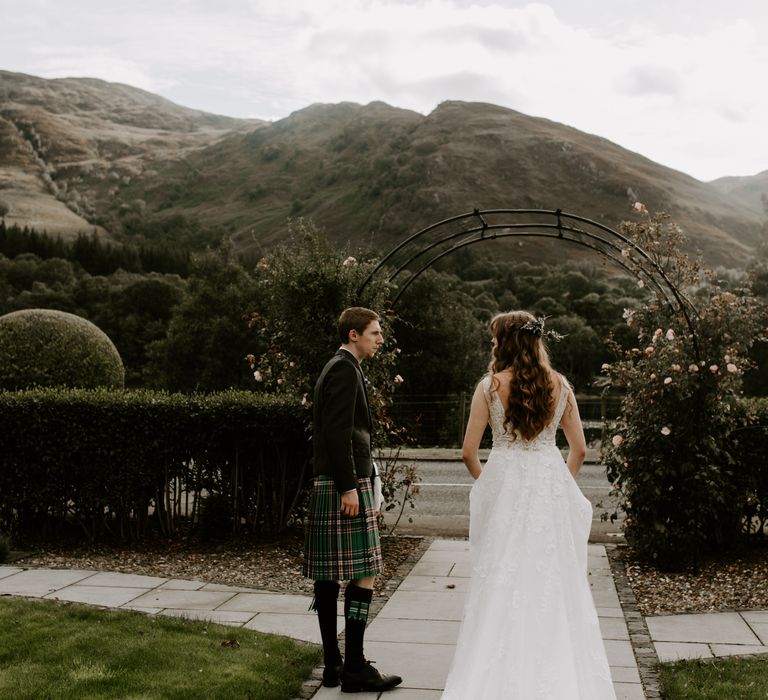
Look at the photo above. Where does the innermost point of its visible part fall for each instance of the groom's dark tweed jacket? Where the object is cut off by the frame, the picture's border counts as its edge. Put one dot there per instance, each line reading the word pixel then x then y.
pixel 342 423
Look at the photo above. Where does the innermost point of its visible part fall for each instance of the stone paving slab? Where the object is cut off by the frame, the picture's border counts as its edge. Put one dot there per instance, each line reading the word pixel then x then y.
pixel 761 630
pixel 462 569
pixel 182 600
pixel 614 628
pixel 629 691
pixel 716 628
pixel 422 666
pixel 177 584
pixel 268 602
pixel 418 631
pixel 9 571
pixel 425 605
pixel 434 584
pixel 676 651
pixel 104 596
pixel 432 569
pixel 620 653
pixel 606 598
pixel 224 587
pixel 126 580
pixel 736 649
pixel 625 674
pixel 39 582
pixel 303 627
pixel 451 545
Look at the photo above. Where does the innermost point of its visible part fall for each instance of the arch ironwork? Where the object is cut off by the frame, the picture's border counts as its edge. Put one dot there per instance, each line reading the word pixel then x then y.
pixel 403 264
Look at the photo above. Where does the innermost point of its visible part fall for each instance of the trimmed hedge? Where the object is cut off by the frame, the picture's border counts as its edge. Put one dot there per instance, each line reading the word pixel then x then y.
pixel 119 463
pixel 45 347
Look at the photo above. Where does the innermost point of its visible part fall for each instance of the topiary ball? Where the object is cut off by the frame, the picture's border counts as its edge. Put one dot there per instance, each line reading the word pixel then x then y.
pixel 43 347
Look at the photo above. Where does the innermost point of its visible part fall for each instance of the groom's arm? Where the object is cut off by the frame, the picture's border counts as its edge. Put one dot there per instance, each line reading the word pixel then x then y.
pixel 340 394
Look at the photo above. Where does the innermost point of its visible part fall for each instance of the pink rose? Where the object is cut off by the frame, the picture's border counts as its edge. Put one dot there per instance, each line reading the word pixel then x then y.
pixel 616 440
pixel 670 334
pixel 713 369
pixel 731 367
pixel 665 430
pixel 667 380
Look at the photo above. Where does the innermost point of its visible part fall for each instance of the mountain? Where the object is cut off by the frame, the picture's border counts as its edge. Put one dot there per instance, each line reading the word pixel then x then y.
pixel 137 165
pixel 751 191
pixel 68 145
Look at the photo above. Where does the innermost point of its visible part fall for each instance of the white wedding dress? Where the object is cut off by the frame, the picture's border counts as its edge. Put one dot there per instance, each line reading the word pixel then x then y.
pixel 530 629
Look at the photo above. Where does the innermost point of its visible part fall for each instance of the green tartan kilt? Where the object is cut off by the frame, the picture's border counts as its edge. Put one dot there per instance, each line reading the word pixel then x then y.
pixel 337 547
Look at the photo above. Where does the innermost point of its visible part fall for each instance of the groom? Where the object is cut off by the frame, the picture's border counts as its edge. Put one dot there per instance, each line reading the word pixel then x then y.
pixel 343 537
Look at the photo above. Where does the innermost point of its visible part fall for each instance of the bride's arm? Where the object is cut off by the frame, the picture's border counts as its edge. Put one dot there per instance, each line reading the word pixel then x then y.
pixel 574 434
pixel 478 420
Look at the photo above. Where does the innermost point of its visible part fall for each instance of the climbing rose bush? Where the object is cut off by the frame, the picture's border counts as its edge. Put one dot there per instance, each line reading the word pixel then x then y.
pixel 673 454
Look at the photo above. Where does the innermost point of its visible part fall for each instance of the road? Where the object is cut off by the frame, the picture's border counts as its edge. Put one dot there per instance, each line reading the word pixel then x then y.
pixel 442 505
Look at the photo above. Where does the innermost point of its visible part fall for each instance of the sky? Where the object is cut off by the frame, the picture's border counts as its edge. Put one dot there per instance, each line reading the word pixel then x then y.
pixel 682 82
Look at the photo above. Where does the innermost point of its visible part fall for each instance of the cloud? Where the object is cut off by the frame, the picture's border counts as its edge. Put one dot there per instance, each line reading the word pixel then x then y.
pixel 678 87
pixel 647 80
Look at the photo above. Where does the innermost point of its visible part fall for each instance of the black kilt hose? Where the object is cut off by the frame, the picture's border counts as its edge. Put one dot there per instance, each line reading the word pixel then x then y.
pixel 339 547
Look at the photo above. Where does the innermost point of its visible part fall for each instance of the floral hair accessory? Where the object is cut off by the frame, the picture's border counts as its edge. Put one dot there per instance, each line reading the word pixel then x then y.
pixel 536 326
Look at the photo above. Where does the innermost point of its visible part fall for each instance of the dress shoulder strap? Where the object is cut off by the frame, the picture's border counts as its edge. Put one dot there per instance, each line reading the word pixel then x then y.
pixel 485 382
pixel 565 390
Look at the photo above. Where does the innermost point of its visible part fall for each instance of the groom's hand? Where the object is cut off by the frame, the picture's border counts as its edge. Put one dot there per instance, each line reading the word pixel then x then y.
pixel 349 504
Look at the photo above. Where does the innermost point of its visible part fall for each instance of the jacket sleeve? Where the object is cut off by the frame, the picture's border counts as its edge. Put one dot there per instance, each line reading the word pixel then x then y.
pixel 339 396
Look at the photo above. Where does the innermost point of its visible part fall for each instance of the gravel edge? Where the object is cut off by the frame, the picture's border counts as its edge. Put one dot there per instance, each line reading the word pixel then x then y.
pixel 639 637
pixel 313 684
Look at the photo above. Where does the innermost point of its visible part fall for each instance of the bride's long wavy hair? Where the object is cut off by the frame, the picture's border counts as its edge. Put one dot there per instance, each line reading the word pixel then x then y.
pixel 524 354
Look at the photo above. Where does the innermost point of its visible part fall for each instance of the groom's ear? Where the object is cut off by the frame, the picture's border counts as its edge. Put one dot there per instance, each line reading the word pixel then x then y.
pixel 353 335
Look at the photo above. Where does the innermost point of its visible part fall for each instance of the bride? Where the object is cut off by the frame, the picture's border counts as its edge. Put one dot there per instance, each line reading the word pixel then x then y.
pixel 530 628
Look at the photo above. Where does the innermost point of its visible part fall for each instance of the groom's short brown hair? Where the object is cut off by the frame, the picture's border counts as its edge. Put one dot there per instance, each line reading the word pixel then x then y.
pixel 355 318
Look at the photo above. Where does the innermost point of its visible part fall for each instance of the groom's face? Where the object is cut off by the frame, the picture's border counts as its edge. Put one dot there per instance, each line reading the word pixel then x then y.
pixel 368 342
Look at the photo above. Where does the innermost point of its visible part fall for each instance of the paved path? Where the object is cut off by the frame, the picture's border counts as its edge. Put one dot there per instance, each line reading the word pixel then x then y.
pixel 415 632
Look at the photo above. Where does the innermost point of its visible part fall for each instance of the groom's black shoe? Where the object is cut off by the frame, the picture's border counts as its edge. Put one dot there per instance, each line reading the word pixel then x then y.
pixel 367 678
pixel 332 674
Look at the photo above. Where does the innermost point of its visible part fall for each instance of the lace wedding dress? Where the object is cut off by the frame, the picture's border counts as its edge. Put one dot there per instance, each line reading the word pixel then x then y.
pixel 530 629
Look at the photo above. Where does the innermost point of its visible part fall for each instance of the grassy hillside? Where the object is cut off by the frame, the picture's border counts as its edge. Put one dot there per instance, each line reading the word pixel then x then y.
pixel 67 145
pixel 372 174
pixel 751 191
pixel 140 166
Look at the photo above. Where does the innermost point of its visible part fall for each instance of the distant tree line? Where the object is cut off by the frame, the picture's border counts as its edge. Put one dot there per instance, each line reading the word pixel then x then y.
pixel 188 329
pixel 94 255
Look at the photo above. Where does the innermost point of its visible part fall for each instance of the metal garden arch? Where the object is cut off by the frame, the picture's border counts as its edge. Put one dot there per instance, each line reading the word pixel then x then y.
pixel 402 265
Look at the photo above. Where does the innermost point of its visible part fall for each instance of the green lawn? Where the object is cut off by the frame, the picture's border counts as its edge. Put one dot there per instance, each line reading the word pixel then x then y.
pixel 721 679
pixel 74 652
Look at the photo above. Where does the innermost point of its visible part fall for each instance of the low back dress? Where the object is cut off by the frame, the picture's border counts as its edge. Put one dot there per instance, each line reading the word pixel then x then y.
pixel 530 629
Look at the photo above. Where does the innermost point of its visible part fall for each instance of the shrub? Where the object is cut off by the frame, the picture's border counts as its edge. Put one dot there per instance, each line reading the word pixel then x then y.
pixel 674 457
pixel 5 549
pixel 43 347
pixel 119 463
pixel 752 457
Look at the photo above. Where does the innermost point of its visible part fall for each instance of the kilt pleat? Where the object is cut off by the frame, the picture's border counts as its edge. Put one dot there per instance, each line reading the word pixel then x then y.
pixel 337 547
